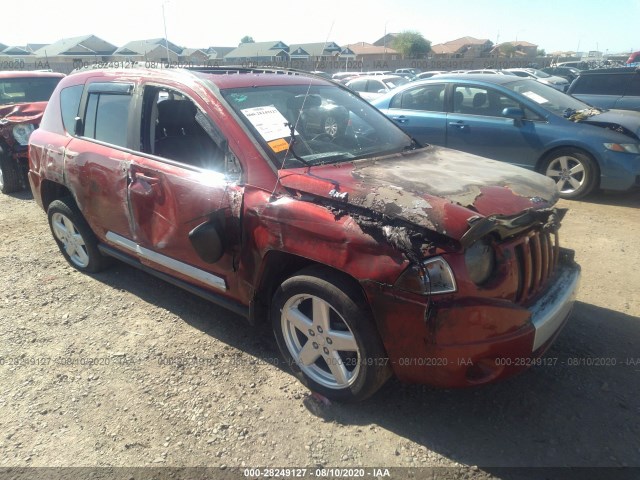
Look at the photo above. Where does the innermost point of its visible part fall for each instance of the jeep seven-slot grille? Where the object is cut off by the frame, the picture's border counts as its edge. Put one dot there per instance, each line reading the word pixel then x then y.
pixel 537 255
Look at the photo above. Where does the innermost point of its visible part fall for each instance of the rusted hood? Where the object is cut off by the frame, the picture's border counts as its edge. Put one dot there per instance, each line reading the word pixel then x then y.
pixel 435 188
pixel 22 112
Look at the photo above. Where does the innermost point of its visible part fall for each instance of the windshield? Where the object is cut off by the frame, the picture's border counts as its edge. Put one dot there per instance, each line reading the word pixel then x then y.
pixel 26 90
pixel 392 83
pixel 540 73
pixel 330 124
pixel 547 97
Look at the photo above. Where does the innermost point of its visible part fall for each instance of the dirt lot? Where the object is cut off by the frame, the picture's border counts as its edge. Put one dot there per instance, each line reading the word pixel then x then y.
pixel 180 382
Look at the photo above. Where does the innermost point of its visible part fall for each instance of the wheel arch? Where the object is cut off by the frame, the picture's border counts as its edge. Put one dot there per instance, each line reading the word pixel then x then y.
pixel 50 191
pixel 276 267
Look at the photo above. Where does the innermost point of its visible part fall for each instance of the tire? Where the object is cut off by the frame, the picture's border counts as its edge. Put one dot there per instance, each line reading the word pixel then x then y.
pixel 10 180
pixel 574 171
pixel 74 237
pixel 337 352
pixel 331 126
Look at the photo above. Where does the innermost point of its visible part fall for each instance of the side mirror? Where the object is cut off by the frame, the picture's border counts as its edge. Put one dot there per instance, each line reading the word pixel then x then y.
pixel 517 114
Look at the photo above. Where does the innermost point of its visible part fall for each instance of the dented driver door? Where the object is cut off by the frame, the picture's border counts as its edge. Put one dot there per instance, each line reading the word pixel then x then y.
pixel 185 222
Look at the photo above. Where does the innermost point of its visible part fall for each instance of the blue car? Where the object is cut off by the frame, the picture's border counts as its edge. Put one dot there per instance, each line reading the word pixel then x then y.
pixel 525 123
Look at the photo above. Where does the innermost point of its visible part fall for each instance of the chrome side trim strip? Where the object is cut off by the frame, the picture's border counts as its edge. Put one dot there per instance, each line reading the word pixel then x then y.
pixel 168 262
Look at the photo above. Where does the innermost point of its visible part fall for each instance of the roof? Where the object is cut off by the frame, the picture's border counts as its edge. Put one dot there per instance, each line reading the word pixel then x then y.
pixel 470 77
pixel 20 51
pixel 317 49
pixel 454 45
pixel 217 52
pixel 28 74
pixel 258 49
pixel 87 45
pixel 142 47
pixel 364 48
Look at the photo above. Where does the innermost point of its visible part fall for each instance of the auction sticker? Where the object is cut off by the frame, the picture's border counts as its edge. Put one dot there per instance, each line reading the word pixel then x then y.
pixel 269 122
pixel 279 145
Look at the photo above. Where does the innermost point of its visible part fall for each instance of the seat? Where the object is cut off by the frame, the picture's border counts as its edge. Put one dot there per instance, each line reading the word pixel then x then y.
pixel 179 137
pixel 479 100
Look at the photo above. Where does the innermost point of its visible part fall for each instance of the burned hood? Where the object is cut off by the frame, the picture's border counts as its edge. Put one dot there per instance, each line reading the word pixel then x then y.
pixel 22 112
pixel 626 122
pixel 435 188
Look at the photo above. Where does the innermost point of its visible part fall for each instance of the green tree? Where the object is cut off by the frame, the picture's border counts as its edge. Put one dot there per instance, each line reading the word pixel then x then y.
pixel 411 44
pixel 541 52
pixel 247 39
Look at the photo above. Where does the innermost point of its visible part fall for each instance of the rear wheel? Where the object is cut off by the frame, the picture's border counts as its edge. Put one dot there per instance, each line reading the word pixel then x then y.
pixel 328 336
pixel 9 175
pixel 74 237
pixel 573 171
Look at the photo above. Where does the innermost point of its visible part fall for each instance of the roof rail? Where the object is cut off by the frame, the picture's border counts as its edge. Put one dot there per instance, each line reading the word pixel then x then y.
pixel 233 69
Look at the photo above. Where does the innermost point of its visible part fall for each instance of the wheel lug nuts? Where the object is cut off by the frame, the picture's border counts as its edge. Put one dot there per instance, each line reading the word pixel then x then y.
pixel 319 329
pixel 329 341
pixel 315 345
pixel 312 333
pixel 325 350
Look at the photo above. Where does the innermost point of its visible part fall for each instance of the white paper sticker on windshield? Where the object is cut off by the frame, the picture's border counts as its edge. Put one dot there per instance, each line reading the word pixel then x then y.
pixel 269 122
pixel 535 97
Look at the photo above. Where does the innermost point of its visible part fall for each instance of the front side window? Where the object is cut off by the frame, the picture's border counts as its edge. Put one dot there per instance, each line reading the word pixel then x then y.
pixel 428 98
pixel 300 125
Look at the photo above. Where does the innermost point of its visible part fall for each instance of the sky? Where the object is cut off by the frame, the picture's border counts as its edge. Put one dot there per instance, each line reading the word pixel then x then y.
pixel 554 25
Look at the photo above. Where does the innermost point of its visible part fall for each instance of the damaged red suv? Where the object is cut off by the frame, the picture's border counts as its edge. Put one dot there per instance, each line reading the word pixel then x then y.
pixel 23 98
pixel 284 196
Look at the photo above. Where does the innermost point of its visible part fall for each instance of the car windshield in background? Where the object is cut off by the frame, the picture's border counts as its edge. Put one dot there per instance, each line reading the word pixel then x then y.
pixel 331 125
pixel 547 97
pixel 396 82
pixel 23 90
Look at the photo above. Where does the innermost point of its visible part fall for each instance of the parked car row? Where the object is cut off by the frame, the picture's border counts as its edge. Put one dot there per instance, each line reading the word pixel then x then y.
pixel 290 199
pixel 523 122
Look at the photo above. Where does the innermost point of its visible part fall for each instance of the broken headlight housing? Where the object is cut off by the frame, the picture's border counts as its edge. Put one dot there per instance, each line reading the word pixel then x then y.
pixel 623 147
pixel 22 132
pixel 480 259
pixel 432 277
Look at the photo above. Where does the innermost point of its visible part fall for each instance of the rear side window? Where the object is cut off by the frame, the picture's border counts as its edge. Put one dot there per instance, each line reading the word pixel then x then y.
pixel 601 84
pixel 106 117
pixel 69 105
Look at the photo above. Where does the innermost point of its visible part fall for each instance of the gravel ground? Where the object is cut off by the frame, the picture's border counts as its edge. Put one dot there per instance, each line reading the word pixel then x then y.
pixel 120 369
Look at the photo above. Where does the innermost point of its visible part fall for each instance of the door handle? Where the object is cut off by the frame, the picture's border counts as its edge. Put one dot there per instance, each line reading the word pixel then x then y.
pixel 459 125
pixel 401 119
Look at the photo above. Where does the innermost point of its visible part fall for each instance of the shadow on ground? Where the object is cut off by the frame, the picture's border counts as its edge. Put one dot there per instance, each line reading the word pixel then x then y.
pixel 582 411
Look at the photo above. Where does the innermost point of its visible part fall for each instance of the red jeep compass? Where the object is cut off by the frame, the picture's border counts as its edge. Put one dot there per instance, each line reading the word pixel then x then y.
pixel 285 196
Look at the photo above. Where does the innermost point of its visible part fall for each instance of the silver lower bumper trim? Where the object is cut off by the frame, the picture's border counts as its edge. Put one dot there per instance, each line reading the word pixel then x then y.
pixel 551 310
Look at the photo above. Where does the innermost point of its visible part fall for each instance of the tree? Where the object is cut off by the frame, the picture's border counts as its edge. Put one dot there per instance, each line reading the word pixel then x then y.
pixel 507 49
pixel 247 39
pixel 541 52
pixel 411 44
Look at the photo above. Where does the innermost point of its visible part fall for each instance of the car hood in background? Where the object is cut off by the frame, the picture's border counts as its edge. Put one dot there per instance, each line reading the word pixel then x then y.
pixel 629 120
pixel 435 188
pixel 21 112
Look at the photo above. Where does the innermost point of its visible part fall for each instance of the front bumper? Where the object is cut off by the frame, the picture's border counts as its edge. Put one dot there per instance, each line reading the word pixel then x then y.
pixel 465 342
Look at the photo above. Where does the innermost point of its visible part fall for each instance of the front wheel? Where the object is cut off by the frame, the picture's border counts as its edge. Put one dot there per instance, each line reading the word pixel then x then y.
pixel 74 237
pixel 328 337
pixel 573 171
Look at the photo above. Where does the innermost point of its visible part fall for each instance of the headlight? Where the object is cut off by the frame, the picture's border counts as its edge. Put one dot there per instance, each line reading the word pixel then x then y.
pixel 434 277
pixel 623 147
pixel 22 132
pixel 480 259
